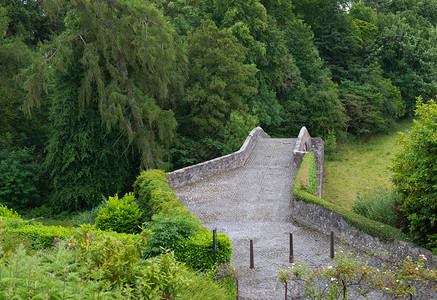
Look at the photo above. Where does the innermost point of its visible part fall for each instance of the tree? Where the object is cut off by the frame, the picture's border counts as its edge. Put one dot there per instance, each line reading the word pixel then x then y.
pixel 415 175
pixel 334 33
pixel 127 55
pixel 407 54
pixel 216 85
pixel 111 77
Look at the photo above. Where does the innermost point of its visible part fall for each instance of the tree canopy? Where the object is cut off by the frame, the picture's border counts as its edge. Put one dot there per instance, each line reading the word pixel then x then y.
pixel 113 87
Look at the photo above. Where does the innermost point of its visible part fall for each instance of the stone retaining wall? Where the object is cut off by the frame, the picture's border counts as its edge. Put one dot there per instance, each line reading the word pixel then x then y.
pixel 325 221
pixel 215 166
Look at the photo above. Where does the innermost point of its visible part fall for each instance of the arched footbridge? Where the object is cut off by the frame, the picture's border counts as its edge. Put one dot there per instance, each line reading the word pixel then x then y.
pixel 247 195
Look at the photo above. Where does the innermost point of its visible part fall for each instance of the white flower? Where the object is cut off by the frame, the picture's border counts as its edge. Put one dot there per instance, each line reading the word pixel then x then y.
pixel 422 257
pixel 329 267
pixel 333 279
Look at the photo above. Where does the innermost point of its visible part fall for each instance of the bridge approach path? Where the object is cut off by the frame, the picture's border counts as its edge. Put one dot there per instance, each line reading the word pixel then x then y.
pixel 253 202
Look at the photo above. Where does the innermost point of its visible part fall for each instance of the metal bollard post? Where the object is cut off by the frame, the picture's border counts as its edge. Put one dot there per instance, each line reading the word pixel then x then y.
pixel 332 245
pixel 252 265
pixel 214 243
pixel 291 257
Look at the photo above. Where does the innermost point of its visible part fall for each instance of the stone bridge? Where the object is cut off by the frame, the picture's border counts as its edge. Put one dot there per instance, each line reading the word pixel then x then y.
pixel 248 196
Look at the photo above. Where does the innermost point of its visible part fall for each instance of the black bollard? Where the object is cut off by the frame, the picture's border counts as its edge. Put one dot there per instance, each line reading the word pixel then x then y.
pixel 291 258
pixel 252 265
pixel 214 243
pixel 332 245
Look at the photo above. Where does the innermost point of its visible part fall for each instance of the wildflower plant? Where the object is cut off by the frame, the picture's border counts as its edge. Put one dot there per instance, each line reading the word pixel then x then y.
pixel 348 278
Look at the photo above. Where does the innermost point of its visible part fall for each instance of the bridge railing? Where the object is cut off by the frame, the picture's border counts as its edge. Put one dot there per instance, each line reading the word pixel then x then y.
pixel 215 166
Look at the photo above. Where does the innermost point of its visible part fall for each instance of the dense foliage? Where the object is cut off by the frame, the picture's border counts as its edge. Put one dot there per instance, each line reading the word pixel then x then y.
pixel 112 88
pixel 415 175
pixel 174 227
pixel 78 263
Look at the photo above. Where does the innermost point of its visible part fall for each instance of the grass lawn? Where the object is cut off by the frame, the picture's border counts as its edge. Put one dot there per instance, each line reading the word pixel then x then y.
pixel 360 166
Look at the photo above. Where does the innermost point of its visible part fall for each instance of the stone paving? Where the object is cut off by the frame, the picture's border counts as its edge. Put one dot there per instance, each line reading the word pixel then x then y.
pixel 253 202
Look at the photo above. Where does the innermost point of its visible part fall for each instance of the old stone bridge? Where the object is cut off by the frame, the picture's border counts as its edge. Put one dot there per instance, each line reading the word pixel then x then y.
pixel 248 196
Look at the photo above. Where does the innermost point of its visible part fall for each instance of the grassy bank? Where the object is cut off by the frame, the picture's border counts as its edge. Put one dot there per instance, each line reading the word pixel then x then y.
pixel 360 165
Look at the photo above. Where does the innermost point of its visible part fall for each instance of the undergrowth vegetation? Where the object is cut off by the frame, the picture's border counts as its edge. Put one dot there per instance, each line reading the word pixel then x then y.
pixel 382 231
pixel 378 205
pixel 121 257
pixel 348 277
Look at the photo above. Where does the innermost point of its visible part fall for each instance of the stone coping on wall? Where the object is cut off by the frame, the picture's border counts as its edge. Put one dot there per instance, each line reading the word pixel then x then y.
pixel 304 144
pixel 324 220
pixel 215 166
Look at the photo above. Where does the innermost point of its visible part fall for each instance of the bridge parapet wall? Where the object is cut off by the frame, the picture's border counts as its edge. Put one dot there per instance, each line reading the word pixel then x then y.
pixel 325 220
pixel 304 144
pixel 215 166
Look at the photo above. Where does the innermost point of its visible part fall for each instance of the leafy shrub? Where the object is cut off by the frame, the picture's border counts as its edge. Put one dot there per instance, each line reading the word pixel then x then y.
pixel 197 251
pixel 161 277
pixel 347 277
pixel 121 215
pixel 42 237
pixel 153 192
pixel 415 174
pixel 18 178
pixel 10 242
pixel 173 226
pixel 377 205
pixel 8 213
pixel 202 287
pixel 168 229
pixel 41 276
pixel 109 257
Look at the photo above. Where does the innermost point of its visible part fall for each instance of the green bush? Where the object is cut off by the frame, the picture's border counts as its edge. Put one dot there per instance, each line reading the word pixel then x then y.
pixel 42 237
pixel 168 229
pixel 173 226
pixel 18 178
pixel 103 267
pixel 153 192
pixel 306 177
pixel 202 287
pixel 10 218
pixel 415 174
pixel 40 276
pixel 378 205
pixel 197 251
pixel 382 231
pixel 121 215
pixel 8 213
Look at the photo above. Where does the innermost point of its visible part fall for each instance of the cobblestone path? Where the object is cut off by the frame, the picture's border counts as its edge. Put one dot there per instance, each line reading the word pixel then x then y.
pixel 253 202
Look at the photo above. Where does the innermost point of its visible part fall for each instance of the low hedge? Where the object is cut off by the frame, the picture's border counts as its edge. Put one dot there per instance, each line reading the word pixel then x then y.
pixel 174 227
pixel 376 229
pixel 306 177
pixel 197 250
pixel 154 194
